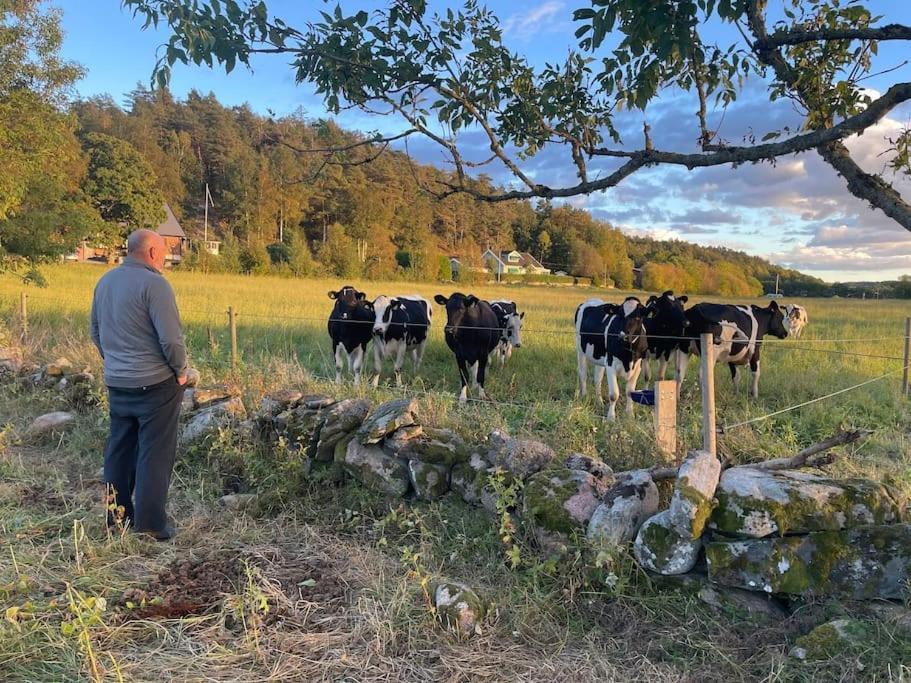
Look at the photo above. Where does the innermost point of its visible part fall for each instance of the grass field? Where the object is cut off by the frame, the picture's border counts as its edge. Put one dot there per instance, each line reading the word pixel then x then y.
pixel 324 583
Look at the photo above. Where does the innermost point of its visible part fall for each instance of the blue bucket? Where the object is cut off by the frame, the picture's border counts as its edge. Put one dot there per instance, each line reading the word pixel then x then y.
pixel 646 397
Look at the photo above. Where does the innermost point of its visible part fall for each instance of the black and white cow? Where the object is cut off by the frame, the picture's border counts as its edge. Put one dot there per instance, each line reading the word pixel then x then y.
pixel 611 338
pixel 795 319
pixel 510 322
pixel 664 325
pixel 402 324
pixel 350 328
pixel 737 332
pixel 472 332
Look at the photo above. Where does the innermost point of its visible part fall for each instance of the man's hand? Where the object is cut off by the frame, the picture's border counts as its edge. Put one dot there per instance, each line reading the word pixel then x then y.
pixel 182 380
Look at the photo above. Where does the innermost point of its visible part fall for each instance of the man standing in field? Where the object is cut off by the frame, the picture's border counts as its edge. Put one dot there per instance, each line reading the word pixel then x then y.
pixel 136 328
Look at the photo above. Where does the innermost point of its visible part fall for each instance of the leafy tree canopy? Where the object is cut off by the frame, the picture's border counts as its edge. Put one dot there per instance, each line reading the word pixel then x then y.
pixel 442 73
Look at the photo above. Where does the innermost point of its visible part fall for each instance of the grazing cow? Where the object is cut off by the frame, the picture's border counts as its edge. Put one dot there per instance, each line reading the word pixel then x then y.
pixel 350 328
pixel 737 333
pixel 795 319
pixel 472 332
pixel 613 339
pixel 510 322
pixel 666 320
pixel 402 324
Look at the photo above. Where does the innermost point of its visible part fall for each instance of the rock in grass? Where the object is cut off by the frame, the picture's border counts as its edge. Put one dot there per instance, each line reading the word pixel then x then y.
pixel 627 504
pixel 205 397
pixel 458 607
pixel 59 368
pixel 279 401
pixel 758 503
pixel 694 491
pixel 338 421
pixel 387 418
pixel 469 479
pixel 50 422
pixel 736 601
pixel 860 564
pixel 239 501
pixel 521 457
pixel 560 500
pixel 832 639
pixel 211 419
pixel 376 470
pixel 660 548
pixel 430 481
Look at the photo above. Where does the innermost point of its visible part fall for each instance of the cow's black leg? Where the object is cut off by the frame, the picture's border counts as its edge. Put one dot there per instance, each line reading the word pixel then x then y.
pixel 482 371
pixel 463 377
pixel 339 352
pixel 733 369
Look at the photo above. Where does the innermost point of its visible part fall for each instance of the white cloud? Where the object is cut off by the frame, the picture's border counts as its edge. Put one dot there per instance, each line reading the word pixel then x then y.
pixel 526 24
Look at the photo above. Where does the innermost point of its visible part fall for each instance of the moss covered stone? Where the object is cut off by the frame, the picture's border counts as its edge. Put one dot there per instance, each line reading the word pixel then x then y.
pixel 693 498
pixel 469 479
pixel 660 548
pixel 338 421
pixel 626 506
pixel 429 481
pixel 757 503
pixel 833 639
pixel 863 563
pixel 561 500
pixel 373 468
pixel 387 418
pixel 429 445
pixel 458 607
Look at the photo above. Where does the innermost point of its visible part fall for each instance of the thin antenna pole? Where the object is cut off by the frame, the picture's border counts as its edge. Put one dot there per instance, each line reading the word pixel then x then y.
pixel 205 238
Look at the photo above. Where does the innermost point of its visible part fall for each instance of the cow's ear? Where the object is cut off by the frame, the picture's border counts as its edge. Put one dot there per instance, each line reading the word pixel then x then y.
pixel 361 296
pixel 440 299
pixel 773 305
pixel 333 295
pixel 472 300
pixel 652 299
pixel 683 299
pixel 669 292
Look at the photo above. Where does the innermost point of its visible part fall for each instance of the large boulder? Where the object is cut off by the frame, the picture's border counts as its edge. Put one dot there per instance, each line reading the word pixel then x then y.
pixel 213 418
pixel 50 422
pixel 430 481
pixel 429 445
pixel 387 418
pixel 469 479
pixel 521 457
pixel 862 563
pixel 758 503
pixel 660 548
pixel 627 504
pixel 338 421
pixel 694 491
pixel 560 500
pixel 376 470
pixel 458 607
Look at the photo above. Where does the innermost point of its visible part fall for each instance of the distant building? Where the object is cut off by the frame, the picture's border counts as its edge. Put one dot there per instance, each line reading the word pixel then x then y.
pixel 175 240
pixel 212 247
pixel 513 263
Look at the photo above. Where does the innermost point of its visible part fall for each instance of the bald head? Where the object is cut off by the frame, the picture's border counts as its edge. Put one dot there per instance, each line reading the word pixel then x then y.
pixel 147 246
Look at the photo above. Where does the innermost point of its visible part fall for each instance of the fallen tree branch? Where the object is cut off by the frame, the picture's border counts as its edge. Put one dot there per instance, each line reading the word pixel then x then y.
pixel 801 459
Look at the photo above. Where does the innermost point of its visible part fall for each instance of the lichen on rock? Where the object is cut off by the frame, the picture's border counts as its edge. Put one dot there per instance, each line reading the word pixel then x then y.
pixel 458 607
pixel 660 548
pixel 625 507
pixel 832 639
pixel 560 500
pixel 694 490
pixel 375 469
pixel 430 481
pixel 387 418
pixel 521 457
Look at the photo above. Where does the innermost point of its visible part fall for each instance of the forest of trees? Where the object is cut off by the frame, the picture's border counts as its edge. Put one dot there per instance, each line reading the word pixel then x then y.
pixel 93 169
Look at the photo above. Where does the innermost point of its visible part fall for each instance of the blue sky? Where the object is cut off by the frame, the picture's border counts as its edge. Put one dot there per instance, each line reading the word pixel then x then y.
pixel 797 212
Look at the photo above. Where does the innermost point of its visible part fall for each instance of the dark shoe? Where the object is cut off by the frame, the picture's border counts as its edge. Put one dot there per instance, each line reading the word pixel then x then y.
pixel 165 534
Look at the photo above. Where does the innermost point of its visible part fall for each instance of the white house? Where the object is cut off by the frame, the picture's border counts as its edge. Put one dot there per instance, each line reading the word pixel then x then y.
pixel 513 263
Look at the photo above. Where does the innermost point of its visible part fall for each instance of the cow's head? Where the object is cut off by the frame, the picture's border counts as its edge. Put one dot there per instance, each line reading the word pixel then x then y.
pixel 348 296
pixel 457 306
pixel 383 307
pixel 633 332
pixel 514 328
pixel 777 325
pixel 667 311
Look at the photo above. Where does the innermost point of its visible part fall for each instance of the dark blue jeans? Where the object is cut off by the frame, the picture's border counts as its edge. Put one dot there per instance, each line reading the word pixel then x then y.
pixel 141 450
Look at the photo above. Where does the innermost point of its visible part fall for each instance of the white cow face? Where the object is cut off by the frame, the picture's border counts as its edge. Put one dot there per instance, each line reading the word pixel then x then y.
pixel 514 328
pixel 382 306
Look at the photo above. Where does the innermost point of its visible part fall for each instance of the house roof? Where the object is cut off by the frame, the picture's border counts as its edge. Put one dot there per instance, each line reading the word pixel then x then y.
pixel 526 260
pixel 170 227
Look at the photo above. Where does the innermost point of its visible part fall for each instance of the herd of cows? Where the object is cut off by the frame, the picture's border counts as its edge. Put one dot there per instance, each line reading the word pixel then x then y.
pixel 617 340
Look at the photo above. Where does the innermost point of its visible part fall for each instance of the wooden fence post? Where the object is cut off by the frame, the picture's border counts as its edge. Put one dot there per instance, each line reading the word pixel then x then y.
pixel 23 315
pixel 666 416
pixel 905 388
pixel 232 322
pixel 708 394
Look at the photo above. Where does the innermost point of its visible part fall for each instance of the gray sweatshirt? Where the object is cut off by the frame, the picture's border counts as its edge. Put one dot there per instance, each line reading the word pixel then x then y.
pixel 136 327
